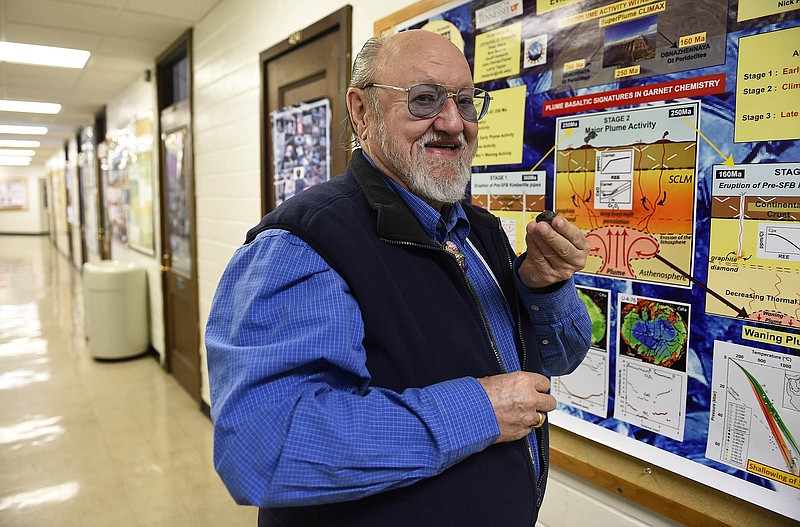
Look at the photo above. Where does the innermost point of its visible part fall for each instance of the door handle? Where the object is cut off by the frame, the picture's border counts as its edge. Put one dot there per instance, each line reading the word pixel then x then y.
pixel 164 268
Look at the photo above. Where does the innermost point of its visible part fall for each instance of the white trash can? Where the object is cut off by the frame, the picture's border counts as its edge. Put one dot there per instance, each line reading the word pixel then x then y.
pixel 115 299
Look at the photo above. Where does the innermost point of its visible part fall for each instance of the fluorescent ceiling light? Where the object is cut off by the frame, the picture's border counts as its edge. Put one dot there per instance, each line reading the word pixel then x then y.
pixel 43 55
pixel 22 130
pixel 19 143
pixel 29 106
pixel 11 161
pixel 17 152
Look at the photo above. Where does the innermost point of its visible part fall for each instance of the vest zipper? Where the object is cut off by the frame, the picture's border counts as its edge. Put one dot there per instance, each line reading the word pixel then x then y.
pixel 495 349
pixel 484 319
pixel 544 468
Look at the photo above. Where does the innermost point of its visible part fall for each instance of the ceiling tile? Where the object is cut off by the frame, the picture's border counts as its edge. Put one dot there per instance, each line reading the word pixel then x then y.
pixel 24 75
pixel 49 13
pixel 50 36
pixel 190 10
pixel 149 27
pixel 124 36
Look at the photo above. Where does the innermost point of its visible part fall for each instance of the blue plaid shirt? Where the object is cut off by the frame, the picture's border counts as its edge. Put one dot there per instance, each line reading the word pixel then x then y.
pixel 296 421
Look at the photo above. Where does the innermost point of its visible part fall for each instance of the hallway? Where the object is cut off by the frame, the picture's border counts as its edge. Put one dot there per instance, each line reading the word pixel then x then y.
pixel 87 443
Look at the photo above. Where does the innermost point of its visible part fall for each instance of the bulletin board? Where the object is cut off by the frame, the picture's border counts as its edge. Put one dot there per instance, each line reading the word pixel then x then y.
pixel 669 132
pixel 13 194
pixel 128 187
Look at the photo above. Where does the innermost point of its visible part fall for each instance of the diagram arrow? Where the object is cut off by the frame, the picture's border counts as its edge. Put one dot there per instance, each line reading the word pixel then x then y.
pixel 674 44
pixel 728 160
pixel 664 199
pixel 567 133
pixel 740 311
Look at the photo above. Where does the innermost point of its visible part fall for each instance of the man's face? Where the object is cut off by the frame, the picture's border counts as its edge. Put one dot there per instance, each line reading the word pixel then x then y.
pixel 431 157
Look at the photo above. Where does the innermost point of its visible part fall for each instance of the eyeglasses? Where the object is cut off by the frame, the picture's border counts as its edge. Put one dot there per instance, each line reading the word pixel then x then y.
pixel 427 100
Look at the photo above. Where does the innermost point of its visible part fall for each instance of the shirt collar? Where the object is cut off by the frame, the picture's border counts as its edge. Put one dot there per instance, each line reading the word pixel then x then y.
pixel 452 221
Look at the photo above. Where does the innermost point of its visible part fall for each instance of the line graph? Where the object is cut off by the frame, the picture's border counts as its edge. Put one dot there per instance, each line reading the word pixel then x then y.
pixel 586 388
pixel 753 420
pixel 651 397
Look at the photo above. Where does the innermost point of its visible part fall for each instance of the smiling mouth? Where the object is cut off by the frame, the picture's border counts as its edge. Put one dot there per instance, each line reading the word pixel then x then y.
pixel 442 147
pixel 442 142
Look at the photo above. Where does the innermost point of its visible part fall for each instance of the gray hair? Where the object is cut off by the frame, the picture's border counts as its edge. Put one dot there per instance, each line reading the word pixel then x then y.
pixel 365 65
pixel 365 69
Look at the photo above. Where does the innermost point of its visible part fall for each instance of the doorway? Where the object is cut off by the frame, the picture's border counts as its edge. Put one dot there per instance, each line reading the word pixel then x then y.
pixel 313 64
pixel 178 231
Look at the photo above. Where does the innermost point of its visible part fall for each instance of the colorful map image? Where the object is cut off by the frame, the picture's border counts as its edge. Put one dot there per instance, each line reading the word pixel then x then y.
pixel 754 253
pixel 586 388
pixel 754 421
pixel 654 331
pixel 651 364
pixel 597 304
pixel 627 179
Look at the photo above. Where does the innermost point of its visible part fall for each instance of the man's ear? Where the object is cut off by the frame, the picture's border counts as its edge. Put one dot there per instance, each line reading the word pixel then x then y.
pixel 357 108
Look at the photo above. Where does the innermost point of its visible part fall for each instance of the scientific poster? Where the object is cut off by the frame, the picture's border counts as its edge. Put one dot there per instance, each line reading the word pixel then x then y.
pixel 669 132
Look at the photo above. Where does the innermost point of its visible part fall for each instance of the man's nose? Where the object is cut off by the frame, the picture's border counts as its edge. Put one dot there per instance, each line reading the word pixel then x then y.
pixel 449 119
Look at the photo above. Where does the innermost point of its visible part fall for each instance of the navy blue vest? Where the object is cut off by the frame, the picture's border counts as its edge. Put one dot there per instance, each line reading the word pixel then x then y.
pixel 422 326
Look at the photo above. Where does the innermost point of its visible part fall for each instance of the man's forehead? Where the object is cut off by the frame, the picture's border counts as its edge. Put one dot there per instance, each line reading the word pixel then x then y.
pixel 425 57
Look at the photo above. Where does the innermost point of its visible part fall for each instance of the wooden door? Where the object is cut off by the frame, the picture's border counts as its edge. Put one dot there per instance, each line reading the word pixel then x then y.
pixel 178 249
pixel 178 230
pixel 312 64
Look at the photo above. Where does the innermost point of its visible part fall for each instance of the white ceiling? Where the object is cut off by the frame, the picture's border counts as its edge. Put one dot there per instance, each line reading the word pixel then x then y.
pixel 124 37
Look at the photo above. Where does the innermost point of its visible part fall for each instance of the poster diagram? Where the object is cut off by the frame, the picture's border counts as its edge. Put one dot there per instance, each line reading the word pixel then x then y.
pixel 754 419
pixel 614 174
pixel 586 388
pixel 754 252
pixel 626 106
pixel 651 364
pixel 515 197
pixel 627 179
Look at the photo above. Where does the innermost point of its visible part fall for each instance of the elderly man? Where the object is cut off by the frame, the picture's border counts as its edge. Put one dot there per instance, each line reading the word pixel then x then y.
pixel 377 354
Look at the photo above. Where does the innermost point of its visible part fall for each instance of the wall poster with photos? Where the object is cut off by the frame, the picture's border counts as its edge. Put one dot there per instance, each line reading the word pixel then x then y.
pixel 301 147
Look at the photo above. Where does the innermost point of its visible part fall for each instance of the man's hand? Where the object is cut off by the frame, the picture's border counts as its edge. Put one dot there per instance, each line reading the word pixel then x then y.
pixel 517 399
pixel 555 252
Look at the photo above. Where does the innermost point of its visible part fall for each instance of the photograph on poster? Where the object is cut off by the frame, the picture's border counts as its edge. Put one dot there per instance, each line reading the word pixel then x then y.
pixel 630 42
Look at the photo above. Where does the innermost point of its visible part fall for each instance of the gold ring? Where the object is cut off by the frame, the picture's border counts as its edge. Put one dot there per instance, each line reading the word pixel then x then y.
pixel 542 418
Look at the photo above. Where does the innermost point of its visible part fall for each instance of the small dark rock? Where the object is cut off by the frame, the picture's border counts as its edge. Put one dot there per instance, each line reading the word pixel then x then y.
pixel 547 216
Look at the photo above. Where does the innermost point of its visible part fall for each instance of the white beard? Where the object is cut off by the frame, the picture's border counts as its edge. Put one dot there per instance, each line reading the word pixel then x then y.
pixel 434 179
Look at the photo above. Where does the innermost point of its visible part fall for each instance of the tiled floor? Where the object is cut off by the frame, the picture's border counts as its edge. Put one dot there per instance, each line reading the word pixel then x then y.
pixel 87 443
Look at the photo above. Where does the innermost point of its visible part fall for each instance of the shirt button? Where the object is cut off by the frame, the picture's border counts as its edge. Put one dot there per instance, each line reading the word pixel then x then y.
pixel 534 308
pixel 545 342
